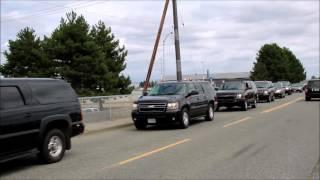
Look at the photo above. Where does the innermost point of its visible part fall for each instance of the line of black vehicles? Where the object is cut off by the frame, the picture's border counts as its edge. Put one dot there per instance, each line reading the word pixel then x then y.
pixel 40 116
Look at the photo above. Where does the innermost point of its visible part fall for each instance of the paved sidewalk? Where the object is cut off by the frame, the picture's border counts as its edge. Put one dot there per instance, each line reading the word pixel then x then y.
pixel 107 125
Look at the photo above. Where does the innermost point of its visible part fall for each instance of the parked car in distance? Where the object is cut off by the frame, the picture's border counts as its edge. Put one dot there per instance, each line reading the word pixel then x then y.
pixel 297 87
pixel 266 90
pixel 86 110
pixel 37 116
pixel 174 102
pixel 287 87
pixel 312 89
pixel 280 91
pixel 240 93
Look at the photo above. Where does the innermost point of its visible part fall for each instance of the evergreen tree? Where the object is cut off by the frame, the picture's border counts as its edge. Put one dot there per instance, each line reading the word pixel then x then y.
pixel 113 57
pixel 76 56
pixel 26 57
pixel 275 64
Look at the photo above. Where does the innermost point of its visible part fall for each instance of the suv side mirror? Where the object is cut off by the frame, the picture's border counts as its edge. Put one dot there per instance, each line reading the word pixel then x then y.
pixel 217 89
pixel 193 93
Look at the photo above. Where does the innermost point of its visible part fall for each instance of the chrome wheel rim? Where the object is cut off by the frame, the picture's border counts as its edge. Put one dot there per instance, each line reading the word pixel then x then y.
pixel 185 118
pixel 211 112
pixel 55 146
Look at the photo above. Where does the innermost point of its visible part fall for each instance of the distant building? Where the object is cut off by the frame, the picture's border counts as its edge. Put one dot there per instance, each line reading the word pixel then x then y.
pixel 214 76
pixel 218 78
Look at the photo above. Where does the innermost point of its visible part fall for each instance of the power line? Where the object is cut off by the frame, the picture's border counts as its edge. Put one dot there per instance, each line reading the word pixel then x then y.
pixel 54 10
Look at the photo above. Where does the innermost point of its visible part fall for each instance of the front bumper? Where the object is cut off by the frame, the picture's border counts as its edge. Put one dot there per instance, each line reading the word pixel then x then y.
pixel 313 94
pixel 230 102
pixel 263 96
pixel 77 128
pixel 160 117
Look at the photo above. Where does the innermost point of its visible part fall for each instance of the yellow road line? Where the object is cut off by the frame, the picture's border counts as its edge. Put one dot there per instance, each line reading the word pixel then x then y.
pixel 237 122
pixel 151 152
pixel 281 106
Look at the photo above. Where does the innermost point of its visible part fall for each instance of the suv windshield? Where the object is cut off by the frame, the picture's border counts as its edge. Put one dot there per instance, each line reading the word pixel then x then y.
pixel 314 84
pixel 233 85
pixel 168 89
pixel 262 84
pixel 278 85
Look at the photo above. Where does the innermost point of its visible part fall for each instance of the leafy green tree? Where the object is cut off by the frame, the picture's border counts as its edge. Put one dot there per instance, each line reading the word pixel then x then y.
pixel 26 57
pixel 114 57
pixel 296 72
pixel 275 63
pixel 76 56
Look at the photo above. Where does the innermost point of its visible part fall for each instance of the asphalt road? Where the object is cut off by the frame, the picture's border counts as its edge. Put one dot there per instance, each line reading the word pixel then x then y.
pixel 278 140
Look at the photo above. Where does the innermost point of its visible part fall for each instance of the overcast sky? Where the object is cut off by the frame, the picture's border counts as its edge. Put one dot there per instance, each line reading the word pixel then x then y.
pixel 222 36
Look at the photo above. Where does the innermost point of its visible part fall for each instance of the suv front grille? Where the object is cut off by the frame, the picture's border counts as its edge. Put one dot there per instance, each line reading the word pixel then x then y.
pixel 152 107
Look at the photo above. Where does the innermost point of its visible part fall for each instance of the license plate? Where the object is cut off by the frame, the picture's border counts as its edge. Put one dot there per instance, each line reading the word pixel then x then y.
pixel 152 121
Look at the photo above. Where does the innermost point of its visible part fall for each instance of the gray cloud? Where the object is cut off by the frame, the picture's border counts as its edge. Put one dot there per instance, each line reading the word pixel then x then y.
pixel 217 35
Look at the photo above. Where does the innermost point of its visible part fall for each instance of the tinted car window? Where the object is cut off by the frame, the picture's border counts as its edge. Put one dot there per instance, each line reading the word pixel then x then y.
pixel 198 88
pixel 207 87
pixel 168 89
pixel 314 84
pixel 233 85
pixel 52 92
pixel 10 97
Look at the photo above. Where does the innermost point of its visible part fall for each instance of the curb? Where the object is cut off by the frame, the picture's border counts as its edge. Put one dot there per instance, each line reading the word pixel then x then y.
pixel 118 126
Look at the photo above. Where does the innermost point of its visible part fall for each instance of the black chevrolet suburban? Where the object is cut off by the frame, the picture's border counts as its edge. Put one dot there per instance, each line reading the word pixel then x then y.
pixel 266 90
pixel 312 89
pixel 240 93
pixel 37 116
pixel 174 102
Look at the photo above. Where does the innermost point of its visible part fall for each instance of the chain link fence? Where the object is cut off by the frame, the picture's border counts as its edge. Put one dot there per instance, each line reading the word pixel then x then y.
pixel 103 108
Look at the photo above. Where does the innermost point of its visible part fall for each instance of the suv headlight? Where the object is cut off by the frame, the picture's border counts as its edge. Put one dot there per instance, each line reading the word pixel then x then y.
pixel 278 91
pixel 266 92
pixel 134 106
pixel 239 96
pixel 173 106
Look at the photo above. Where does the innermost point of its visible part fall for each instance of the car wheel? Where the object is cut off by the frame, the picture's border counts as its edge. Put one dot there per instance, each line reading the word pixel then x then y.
pixel 210 113
pixel 184 119
pixel 269 99
pixel 244 106
pixel 140 125
pixel 53 146
pixel 273 98
pixel 254 105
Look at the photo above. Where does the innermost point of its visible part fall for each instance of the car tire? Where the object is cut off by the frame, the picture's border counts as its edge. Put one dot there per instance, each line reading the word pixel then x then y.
pixel 273 98
pixel 140 125
pixel 210 113
pixel 53 146
pixel 269 99
pixel 244 106
pixel 308 99
pixel 254 104
pixel 184 119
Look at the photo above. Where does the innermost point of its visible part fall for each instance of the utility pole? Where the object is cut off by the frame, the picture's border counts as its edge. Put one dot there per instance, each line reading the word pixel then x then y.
pixel 163 57
pixel 176 40
pixel 154 53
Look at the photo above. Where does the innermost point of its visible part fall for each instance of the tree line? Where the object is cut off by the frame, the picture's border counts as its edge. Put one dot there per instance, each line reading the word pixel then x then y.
pixel 91 59
pixel 276 64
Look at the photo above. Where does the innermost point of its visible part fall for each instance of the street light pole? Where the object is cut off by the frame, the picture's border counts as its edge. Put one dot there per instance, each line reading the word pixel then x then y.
pixel 163 56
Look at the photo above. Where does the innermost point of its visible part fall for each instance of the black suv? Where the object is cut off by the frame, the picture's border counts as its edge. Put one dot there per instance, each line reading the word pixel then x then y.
pixel 312 89
pixel 240 93
pixel 287 86
pixel 37 116
pixel 266 90
pixel 174 102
